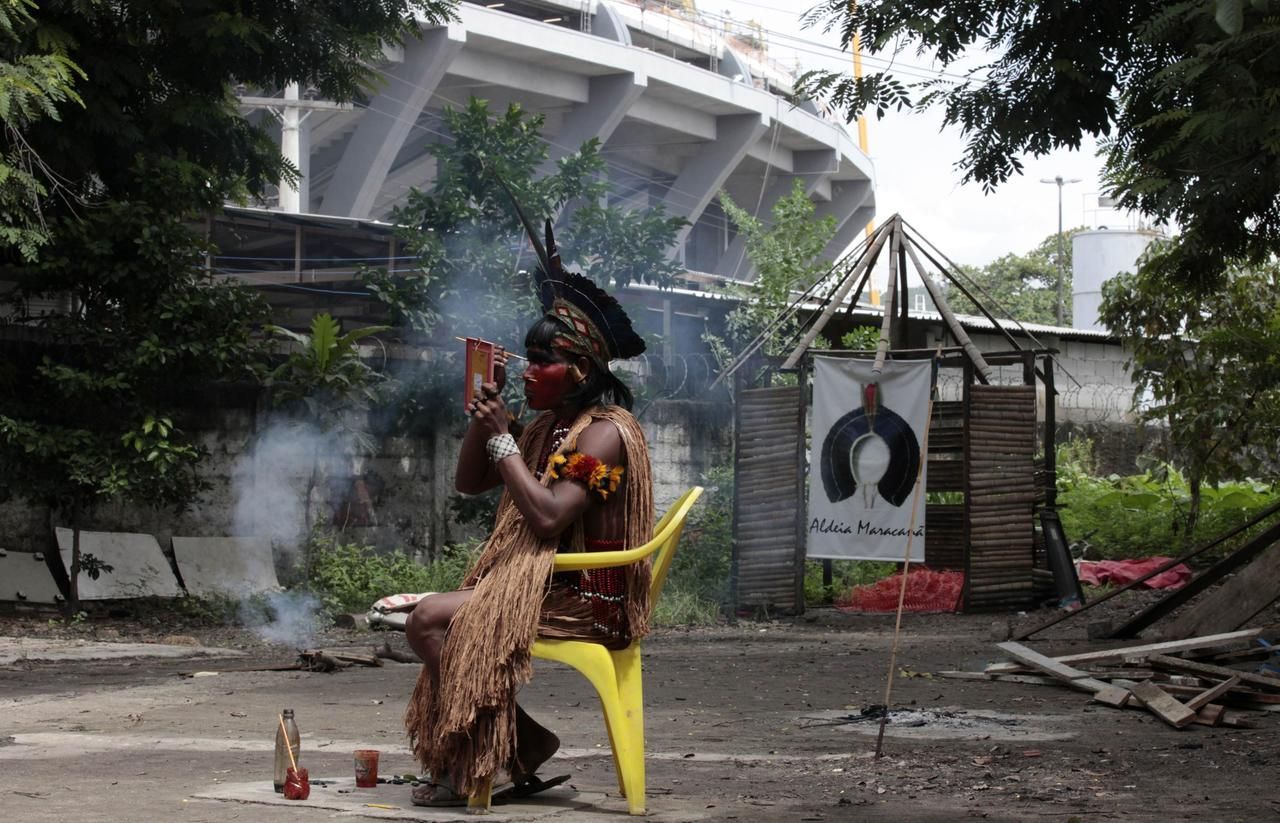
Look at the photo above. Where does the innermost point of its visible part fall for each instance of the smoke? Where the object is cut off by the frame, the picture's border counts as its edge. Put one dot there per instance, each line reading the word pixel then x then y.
pixel 283 618
pixel 287 469
pixel 269 482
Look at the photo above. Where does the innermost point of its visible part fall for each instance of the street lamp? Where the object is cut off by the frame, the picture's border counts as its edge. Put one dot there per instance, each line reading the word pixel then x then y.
pixel 1060 183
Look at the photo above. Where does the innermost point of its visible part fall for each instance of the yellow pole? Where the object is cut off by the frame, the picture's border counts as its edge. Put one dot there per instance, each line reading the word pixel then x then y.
pixel 863 143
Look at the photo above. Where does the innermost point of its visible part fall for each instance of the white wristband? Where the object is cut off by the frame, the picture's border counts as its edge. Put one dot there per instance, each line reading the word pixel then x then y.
pixel 501 446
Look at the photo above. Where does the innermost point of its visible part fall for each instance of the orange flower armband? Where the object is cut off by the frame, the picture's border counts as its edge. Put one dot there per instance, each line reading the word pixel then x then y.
pixel 598 477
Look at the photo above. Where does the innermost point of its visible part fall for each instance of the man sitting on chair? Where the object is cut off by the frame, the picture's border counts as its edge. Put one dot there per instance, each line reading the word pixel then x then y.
pixel 577 480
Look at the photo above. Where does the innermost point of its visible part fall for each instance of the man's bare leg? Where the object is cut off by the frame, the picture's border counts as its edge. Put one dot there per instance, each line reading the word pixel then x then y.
pixel 426 629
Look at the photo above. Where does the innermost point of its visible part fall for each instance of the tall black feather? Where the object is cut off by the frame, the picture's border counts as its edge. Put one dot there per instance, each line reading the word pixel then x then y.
pixel 544 262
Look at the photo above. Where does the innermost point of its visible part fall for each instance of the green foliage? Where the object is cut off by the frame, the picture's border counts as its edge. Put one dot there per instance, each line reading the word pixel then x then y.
pixel 326 374
pixel 1147 514
pixel 33 84
pixel 697 586
pixel 614 246
pixel 1183 94
pixel 701 563
pixel 862 338
pixel 845 574
pixel 1208 364
pixel 1019 286
pixel 787 256
pixel 680 606
pixel 349 577
pixel 472 272
pixel 158 143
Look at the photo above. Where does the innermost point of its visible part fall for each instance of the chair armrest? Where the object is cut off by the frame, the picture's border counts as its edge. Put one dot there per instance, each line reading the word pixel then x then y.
pixel 576 561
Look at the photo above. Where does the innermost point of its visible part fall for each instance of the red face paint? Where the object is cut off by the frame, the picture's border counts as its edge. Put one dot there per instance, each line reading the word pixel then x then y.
pixel 547 381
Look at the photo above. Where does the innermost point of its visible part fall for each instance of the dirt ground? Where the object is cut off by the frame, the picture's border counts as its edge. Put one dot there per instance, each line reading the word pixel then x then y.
pixel 751 722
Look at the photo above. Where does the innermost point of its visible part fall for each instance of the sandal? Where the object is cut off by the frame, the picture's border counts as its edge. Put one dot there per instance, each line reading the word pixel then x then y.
pixel 436 794
pixel 527 787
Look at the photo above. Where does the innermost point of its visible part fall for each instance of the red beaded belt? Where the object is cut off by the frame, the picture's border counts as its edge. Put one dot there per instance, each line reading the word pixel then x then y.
pixel 605 589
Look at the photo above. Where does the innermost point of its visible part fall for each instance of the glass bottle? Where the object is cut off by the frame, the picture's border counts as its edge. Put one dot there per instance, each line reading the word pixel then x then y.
pixel 282 748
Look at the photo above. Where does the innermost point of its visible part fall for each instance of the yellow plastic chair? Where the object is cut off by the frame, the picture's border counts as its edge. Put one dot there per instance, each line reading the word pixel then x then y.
pixel 616 674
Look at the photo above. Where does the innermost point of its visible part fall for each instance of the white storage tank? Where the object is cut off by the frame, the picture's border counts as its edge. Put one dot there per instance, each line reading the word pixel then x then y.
pixel 1097 255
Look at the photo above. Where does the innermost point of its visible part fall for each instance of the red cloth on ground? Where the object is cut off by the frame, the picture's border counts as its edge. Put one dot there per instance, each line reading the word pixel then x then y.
pixel 927 591
pixel 1121 572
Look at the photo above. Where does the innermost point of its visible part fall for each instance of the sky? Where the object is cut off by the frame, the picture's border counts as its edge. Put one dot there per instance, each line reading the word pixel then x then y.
pixel 915 159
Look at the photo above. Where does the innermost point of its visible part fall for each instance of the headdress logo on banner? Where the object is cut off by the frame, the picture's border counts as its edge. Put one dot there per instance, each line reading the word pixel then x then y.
pixel 866 458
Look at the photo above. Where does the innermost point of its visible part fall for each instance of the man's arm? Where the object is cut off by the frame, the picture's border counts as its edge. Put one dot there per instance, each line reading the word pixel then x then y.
pixel 475 473
pixel 551 509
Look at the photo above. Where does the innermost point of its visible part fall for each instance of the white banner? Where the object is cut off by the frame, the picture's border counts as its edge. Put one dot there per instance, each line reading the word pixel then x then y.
pixel 868 436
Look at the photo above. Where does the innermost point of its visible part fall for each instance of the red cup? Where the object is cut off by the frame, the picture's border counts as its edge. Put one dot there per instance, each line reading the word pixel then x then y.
pixel 297 784
pixel 366 768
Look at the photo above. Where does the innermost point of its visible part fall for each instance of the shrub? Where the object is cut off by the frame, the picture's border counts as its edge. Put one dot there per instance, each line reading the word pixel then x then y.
pixel 349 577
pixel 698 585
pixel 845 574
pixel 1145 514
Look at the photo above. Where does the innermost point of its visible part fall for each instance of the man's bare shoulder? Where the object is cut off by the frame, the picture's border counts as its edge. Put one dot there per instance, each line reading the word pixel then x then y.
pixel 602 440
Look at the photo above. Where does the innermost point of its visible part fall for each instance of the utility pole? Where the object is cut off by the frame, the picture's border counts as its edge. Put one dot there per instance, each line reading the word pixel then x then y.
pixel 1061 313
pixel 291 110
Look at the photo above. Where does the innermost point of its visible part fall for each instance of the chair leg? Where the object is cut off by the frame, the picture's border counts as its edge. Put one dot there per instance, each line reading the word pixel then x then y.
pixel 631 696
pixel 481 798
pixel 613 749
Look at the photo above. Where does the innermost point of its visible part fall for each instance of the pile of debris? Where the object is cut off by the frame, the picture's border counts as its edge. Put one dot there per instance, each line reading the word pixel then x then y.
pixel 1183 682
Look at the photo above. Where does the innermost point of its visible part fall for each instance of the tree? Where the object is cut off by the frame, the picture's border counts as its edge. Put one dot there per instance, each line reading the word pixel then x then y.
pixel 1182 92
pixel 787 257
pixel 91 403
pixel 1209 365
pixel 32 85
pixel 94 402
pixel 472 272
pixel 1021 287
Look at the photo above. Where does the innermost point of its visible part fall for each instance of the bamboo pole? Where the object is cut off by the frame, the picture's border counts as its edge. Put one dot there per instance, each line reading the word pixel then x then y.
pixel 957 331
pixel 838 297
pixel 906 567
pixel 886 324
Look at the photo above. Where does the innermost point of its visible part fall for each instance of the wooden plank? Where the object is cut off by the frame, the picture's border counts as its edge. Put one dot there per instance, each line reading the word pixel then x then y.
pixel 1177 664
pixel 1236 602
pixel 1113 696
pixel 1163 705
pixel 1207 696
pixel 1211 715
pixel 1146 649
pixel 1199 583
pixel 1033 659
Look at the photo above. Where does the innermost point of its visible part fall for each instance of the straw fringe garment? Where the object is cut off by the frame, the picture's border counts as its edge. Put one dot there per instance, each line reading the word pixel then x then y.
pixel 466 728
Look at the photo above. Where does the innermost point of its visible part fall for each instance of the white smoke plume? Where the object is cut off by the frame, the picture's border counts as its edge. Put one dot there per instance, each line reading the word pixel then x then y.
pixel 284 618
pixel 269 482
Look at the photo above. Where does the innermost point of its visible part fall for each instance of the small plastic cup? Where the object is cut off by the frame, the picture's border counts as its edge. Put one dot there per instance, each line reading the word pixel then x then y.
pixel 366 768
pixel 297 784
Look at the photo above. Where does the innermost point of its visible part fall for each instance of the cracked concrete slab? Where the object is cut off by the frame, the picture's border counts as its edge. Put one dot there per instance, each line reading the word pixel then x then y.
pixel 234 566
pixel 17 649
pixel 139 568
pixel 25 578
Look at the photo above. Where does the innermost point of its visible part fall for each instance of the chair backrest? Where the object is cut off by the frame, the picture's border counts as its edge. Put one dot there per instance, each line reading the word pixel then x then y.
pixel 667 532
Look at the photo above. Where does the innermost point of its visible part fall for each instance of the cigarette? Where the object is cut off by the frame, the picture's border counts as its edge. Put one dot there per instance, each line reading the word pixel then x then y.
pixel 509 354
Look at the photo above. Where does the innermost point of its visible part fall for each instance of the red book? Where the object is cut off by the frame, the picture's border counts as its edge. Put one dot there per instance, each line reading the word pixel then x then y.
pixel 479 367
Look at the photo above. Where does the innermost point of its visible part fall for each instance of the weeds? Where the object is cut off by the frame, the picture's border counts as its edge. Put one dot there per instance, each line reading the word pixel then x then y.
pixel 1145 514
pixel 349 577
pixel 845 574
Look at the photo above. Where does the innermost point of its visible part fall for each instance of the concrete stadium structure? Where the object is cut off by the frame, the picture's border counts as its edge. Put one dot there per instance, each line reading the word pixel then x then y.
pixel 680 112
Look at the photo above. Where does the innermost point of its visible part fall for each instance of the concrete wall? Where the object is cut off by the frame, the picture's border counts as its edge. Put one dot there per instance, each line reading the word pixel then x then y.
pixel 409 482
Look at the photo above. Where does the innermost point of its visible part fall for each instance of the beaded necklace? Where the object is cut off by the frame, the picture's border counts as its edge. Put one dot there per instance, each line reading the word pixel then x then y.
pixel 558 433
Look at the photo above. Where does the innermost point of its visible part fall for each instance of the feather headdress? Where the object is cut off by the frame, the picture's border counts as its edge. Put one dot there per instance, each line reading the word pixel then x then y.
pixel 576 301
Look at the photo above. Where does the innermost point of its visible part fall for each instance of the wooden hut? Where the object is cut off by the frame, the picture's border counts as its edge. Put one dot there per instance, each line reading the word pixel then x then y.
pixel 986 446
